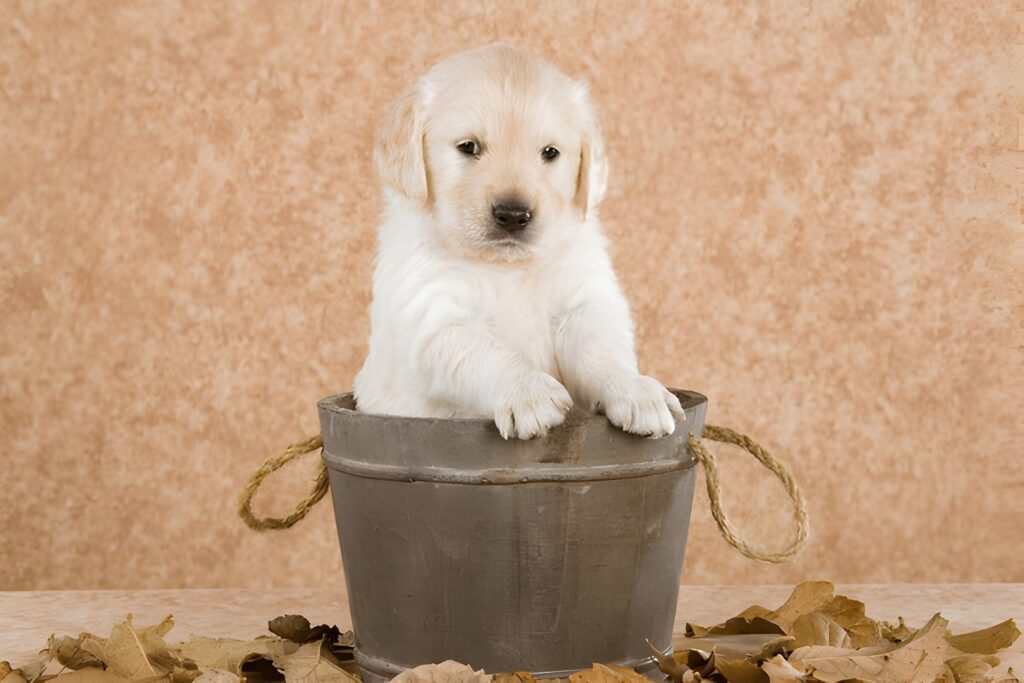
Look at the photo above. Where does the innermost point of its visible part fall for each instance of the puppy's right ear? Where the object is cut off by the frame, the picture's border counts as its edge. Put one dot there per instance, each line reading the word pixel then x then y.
pixel 398 148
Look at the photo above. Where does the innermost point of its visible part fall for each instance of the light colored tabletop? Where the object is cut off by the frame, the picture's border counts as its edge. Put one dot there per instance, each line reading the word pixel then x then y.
pixel 28 618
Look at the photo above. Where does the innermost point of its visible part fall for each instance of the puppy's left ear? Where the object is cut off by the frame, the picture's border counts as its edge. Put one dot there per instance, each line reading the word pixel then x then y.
pixel 593 172
pixel 398 148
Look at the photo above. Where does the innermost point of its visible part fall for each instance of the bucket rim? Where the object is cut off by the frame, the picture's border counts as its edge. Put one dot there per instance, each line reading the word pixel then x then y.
pixel 334 404
pixel 470 451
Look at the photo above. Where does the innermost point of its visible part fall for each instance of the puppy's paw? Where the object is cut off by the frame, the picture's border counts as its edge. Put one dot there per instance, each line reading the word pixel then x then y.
pixel 641 405
pixel 532 406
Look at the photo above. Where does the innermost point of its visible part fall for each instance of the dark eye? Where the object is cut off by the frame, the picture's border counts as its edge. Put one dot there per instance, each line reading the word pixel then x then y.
pixel 469 148
pixel 549 153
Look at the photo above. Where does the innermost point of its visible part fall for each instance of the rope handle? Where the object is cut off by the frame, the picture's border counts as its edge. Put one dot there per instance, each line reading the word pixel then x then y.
pixel 320 486
pixel 706 458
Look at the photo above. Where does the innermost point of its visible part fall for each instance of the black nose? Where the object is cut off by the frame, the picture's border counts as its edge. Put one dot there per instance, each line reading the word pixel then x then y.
pixel 511 217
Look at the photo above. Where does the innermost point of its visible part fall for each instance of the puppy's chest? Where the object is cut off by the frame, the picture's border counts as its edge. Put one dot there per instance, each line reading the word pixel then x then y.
pixel 523 321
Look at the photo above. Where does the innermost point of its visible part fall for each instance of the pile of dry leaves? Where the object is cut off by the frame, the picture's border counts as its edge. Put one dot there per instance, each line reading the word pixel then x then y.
pixel 815 636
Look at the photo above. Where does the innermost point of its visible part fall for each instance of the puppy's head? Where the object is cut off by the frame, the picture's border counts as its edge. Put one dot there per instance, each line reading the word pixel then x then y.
pixel 502 149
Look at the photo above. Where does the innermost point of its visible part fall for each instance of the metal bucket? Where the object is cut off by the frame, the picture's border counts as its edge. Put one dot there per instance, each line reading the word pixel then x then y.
pixel 543 556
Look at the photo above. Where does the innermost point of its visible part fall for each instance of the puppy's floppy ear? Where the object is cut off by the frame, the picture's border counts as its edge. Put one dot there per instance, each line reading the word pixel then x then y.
pixel 593 172
pixel 399 146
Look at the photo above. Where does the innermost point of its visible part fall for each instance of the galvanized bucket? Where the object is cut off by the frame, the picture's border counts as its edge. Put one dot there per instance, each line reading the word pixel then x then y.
pixel 543 556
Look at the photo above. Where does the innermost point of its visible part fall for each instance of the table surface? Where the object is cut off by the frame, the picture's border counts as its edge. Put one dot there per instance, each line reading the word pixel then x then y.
pixel 27 618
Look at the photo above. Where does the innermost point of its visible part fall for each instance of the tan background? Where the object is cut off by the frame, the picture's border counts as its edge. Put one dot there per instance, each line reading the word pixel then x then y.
pixel 813 206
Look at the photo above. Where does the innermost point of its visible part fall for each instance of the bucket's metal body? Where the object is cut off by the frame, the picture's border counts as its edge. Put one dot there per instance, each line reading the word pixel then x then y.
pixel 544 555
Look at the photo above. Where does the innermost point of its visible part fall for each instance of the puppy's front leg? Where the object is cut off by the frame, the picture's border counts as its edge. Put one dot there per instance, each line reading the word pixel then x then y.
pixel 597 361
pixel 469 367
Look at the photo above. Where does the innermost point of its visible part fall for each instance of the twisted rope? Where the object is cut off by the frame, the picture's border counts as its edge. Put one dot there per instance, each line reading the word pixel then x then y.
pixel 706 458
pixel 320 486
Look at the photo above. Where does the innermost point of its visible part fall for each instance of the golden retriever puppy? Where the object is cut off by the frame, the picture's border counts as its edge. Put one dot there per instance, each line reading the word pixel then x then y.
pixel 493 293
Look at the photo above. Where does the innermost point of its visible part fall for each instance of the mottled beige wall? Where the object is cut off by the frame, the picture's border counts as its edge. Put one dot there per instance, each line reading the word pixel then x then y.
pixel 813 207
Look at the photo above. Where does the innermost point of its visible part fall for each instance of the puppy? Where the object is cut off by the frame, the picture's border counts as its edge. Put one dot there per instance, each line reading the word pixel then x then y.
pixel 493 292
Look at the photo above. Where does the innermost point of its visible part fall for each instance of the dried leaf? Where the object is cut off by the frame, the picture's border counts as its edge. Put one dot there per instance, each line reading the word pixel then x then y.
pixel 297 629
pixel 1008 677
pixel 90 675
pixel 969 668
pixel 185 674
pixel 899 633
pixel 816 628
pixel 68 651
pixel 851 615
pixel 668 665
pixel 218 676
pixel 309 663
pixel 779 670
pixel 987 641
pixel 731 647
pixel 806 597
pixel 755 611
pixel 919 659
pixel 94 645
pixel 608 673
pixel 517 677
pixel 734 627
pixel 743 664
pixel 696 660
pixel 222 653
pixel 158 630
pixel 445 672
pixel 31 671
pixel 137 654
pixel 773 647
pixel 259 670
pixel 9 675
pixel 739 670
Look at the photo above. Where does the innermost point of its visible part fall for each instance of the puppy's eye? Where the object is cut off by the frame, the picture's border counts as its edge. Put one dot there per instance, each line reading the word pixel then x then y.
pixel 549 153
pixel 469 147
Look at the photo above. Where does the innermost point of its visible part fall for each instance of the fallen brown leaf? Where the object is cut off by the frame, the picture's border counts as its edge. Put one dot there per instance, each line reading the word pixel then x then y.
pixel 9 675
pixel 806 597
pixel 608 673
pixel 968 668
pixel 734 627
pixel 31 671
pixel 69 653
pixel 297 629
pixel 309 663
pixel 779 670
pixel 138 654
pixel 90 675
pixel 987 641
pixel 921 658
pixel 517 677
pixel 817 628
pixel 896 633
pixel 851 615
pixel 222 653
pixel 218 676
pixel 445 672
pixel 738 670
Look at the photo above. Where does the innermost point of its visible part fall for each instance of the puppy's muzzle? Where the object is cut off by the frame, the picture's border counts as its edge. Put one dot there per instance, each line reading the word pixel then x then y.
pixel 511 217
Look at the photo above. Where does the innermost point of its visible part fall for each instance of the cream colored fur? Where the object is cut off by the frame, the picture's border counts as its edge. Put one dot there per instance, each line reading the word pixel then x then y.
pixel 468 321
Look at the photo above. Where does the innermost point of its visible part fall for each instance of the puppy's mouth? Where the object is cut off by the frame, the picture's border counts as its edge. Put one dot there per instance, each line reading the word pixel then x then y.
pixel 505 241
